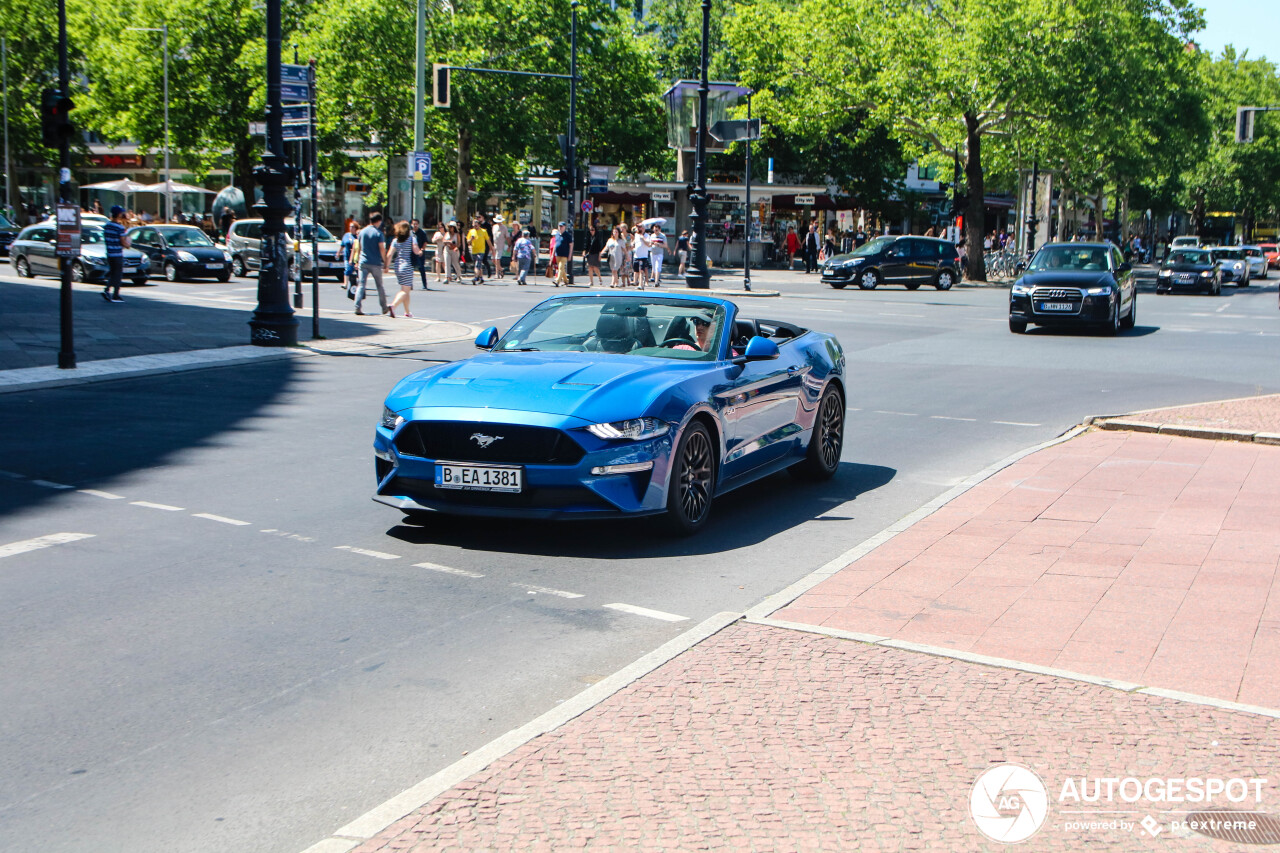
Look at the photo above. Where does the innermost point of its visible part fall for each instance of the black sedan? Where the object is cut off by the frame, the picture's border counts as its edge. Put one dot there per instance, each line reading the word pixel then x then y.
pixel 180 252
pixel 35 253
pixel 8 233
pixel 1190 270
pixel 1075 284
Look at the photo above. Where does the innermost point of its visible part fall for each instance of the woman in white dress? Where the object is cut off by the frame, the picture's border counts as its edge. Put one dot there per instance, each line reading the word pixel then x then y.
pixel 616 251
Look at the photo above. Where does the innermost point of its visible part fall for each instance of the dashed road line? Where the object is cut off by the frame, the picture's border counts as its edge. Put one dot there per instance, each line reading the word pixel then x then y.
pixel 644 611
pixel 448 570
pixel 1016 423
pixel 365 552
pixel 150 505
pixel 285 535
pixel 548 591
pixel 41 542
pixel 97 493
pixel 221 518
pixel 49 484
pixel 949 418
pixel 904 414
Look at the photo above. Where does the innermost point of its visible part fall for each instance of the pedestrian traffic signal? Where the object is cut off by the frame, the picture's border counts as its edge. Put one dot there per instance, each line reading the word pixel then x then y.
pixel 55 117
pixel 563 188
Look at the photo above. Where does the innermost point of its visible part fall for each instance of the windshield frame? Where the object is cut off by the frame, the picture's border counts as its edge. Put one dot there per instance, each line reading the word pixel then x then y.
pixel 1176 256
pixel 171 229
pixel 721 315
pixel 872 247
pixel 1040 260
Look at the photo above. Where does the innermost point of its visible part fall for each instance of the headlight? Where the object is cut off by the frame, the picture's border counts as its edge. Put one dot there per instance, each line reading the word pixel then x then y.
pixel 1019 288
pixel 227 256
pixel 1105 290
pixel 1165 273
pixel 390 420
pixel 186 257
pixel 633 430
pixel 1207 274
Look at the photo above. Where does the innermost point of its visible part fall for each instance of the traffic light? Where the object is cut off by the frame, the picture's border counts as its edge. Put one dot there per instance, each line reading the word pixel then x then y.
pixel 439 85
pixel 55 117
pixel 563 185
pixel 1244 124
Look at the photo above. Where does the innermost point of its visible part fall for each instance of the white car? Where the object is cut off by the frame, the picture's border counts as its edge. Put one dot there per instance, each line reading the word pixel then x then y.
pixel 1257 261
pixel 1185 243
pixel 1231 260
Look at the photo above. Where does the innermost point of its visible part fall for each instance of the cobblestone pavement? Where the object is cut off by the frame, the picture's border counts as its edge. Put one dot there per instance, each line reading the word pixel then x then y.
pixel 1146 558
pixel 767 739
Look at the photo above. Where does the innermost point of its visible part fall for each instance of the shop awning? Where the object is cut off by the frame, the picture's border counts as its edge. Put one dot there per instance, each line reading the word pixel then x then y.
pixel 620 198
pixel 820 202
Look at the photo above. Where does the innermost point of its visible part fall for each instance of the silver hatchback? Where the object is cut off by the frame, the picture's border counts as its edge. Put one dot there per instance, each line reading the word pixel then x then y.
pixel 244 242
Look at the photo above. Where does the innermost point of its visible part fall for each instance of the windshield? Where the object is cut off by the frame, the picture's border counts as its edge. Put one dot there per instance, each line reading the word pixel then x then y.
pixel 184 237
pixel 872 247
pixel 1228 254
pixel 321 233
pixel 1253 253
pixel 5 222
pixel 651 326
pixel 1078 258
pixel 91 235
pixel 1189 256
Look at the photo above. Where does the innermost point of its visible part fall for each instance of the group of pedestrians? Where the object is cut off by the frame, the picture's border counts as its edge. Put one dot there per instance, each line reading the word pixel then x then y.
pixel 635 255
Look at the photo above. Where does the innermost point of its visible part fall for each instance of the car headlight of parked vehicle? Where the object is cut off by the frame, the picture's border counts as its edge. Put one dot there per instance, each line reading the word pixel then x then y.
pixel 390 420
pixel 1019 289
pixel 1207 274
pixel 1165 273
pixel 186 257
pixel 1104 290
pixel 632 430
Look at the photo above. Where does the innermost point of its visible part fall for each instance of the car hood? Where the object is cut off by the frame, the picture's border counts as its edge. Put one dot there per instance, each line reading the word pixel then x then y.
pixel 212 253
pixel 841 259
pixel 98 250
pixel 1067 278
pixel 595 387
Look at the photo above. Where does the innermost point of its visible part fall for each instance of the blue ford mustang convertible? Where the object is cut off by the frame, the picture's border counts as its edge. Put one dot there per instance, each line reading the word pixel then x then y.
pixel 613 404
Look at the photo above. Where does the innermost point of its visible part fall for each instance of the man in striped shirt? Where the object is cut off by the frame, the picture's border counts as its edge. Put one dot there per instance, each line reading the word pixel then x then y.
pixel 116 242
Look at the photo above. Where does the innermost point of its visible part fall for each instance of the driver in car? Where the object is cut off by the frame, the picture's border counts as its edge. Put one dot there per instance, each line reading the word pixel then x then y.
pixel 702 329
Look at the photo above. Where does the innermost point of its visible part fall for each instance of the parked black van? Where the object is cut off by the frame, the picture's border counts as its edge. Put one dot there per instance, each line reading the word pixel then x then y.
pixel 909 261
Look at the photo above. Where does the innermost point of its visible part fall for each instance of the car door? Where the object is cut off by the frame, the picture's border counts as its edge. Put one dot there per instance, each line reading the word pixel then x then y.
pixel 146 241
pixel 252 241
pixel 922 261
pixel 760 403
pixel 43 254
pixel 896 266
pixel 1124 282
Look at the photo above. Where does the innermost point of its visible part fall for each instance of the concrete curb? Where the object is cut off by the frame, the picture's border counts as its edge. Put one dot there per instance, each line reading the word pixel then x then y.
pixel 1184 430
pixel 104 370
pixel 379 818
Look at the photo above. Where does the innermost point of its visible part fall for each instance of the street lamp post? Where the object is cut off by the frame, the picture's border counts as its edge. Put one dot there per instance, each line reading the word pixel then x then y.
pixel 273 323
pixel 746 253
pixel 168 177
pixel 698 276
pixel 67 350
pixel 4 73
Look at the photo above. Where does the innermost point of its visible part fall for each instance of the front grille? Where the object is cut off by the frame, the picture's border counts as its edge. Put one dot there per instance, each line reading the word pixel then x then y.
pixel 560 497
pixel 513 444
pixel 1057 293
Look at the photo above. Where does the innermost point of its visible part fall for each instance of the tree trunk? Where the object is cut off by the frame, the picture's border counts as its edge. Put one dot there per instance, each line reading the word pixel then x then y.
pixel 243 166
pixel 1197 213
pixel 460 203
pixel 1123 194
pixel 1099 205
pixel 975 221
pixel 1061 234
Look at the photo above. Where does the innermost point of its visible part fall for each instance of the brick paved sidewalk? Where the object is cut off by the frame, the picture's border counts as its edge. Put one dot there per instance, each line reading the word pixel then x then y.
pixel 1141 557
pixel 767 739
pixel 1248 414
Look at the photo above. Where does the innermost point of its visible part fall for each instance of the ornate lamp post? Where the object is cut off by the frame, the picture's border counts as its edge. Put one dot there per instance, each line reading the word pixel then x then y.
pixel 273 323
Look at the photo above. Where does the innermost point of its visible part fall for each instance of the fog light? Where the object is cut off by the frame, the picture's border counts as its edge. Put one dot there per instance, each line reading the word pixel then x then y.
pixel 628 468
pixel 384 454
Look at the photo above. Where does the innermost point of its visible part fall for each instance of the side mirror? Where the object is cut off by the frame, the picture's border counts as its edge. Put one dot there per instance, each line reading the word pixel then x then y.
pixel 1020 267
pixel 758 349
pixel 487 339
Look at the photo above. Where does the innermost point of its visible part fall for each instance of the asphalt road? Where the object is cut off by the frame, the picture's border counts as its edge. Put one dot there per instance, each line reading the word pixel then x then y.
pixel 244 652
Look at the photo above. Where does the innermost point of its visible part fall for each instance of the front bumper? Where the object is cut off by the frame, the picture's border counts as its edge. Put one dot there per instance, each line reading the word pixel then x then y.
pixel 839 275
pixel 550 491
pixel 1086 310
pixel 199 269
pixel 1174 282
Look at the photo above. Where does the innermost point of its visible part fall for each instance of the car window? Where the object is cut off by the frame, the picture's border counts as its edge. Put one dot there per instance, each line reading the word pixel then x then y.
pixel 1253 253
pixel 307 227
pixel 1072 257
pixel 180 237
pixel 142 237
pixel 41 235
pixel 253 230
pixel 1228 254
pixel 1189 256
pixel 873 247
pixel 1116 259
pixel 91 236
pixel 639 326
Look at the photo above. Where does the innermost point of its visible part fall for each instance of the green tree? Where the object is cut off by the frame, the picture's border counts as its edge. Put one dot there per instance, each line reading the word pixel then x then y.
pixel 217 61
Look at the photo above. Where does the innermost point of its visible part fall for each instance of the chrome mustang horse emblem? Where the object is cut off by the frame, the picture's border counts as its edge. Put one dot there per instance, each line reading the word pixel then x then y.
pixel 484 440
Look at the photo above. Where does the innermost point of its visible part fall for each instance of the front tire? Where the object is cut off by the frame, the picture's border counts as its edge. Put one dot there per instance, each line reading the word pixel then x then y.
pixel 238 268
pixel 693 477
pixel 22 268
pixel 1131 319
pixel 822 459
pixel 868 280
pixel 78 273
pixel 839 285
pixel 140 280
pixel 170 271
pixel 1113 325
pixel 1018 327
pixel 944 280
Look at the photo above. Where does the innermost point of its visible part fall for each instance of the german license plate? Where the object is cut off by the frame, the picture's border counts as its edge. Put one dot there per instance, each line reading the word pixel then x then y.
pixel 1056 306
pixel 478 478
pixel 213 266
pixel 129 270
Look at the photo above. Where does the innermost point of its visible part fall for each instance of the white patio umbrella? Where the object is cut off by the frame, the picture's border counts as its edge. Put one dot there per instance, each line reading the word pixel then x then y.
pixel 168 188
pixel 124 185
pixel 656 220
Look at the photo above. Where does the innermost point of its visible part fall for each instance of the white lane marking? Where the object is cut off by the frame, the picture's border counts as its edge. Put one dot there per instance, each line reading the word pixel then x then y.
pixel 904 414
pixel 381 555
pixel 548 591
pixel 644 611
pixel 1223 308
pixel 892 314
pixel 1016 423
pixel 150 505
pixel 41 542
pixel 852 409
pixel 11 475
pixel 493 319
pixel 949 418
pixel 285 535
pixel 48 484
pixel 448 570
pixel 106 496
pixel 222 518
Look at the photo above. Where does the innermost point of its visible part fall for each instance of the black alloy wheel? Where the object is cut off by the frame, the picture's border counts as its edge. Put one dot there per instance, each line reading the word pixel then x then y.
pixel 22 268
pixel 826 443
pixel 693 478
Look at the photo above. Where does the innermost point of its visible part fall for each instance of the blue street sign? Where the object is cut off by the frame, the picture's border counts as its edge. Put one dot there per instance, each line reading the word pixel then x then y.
pixel 420 165
pixel 296 131
pixel 294 74
pixel 296 114
pixel 295 92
